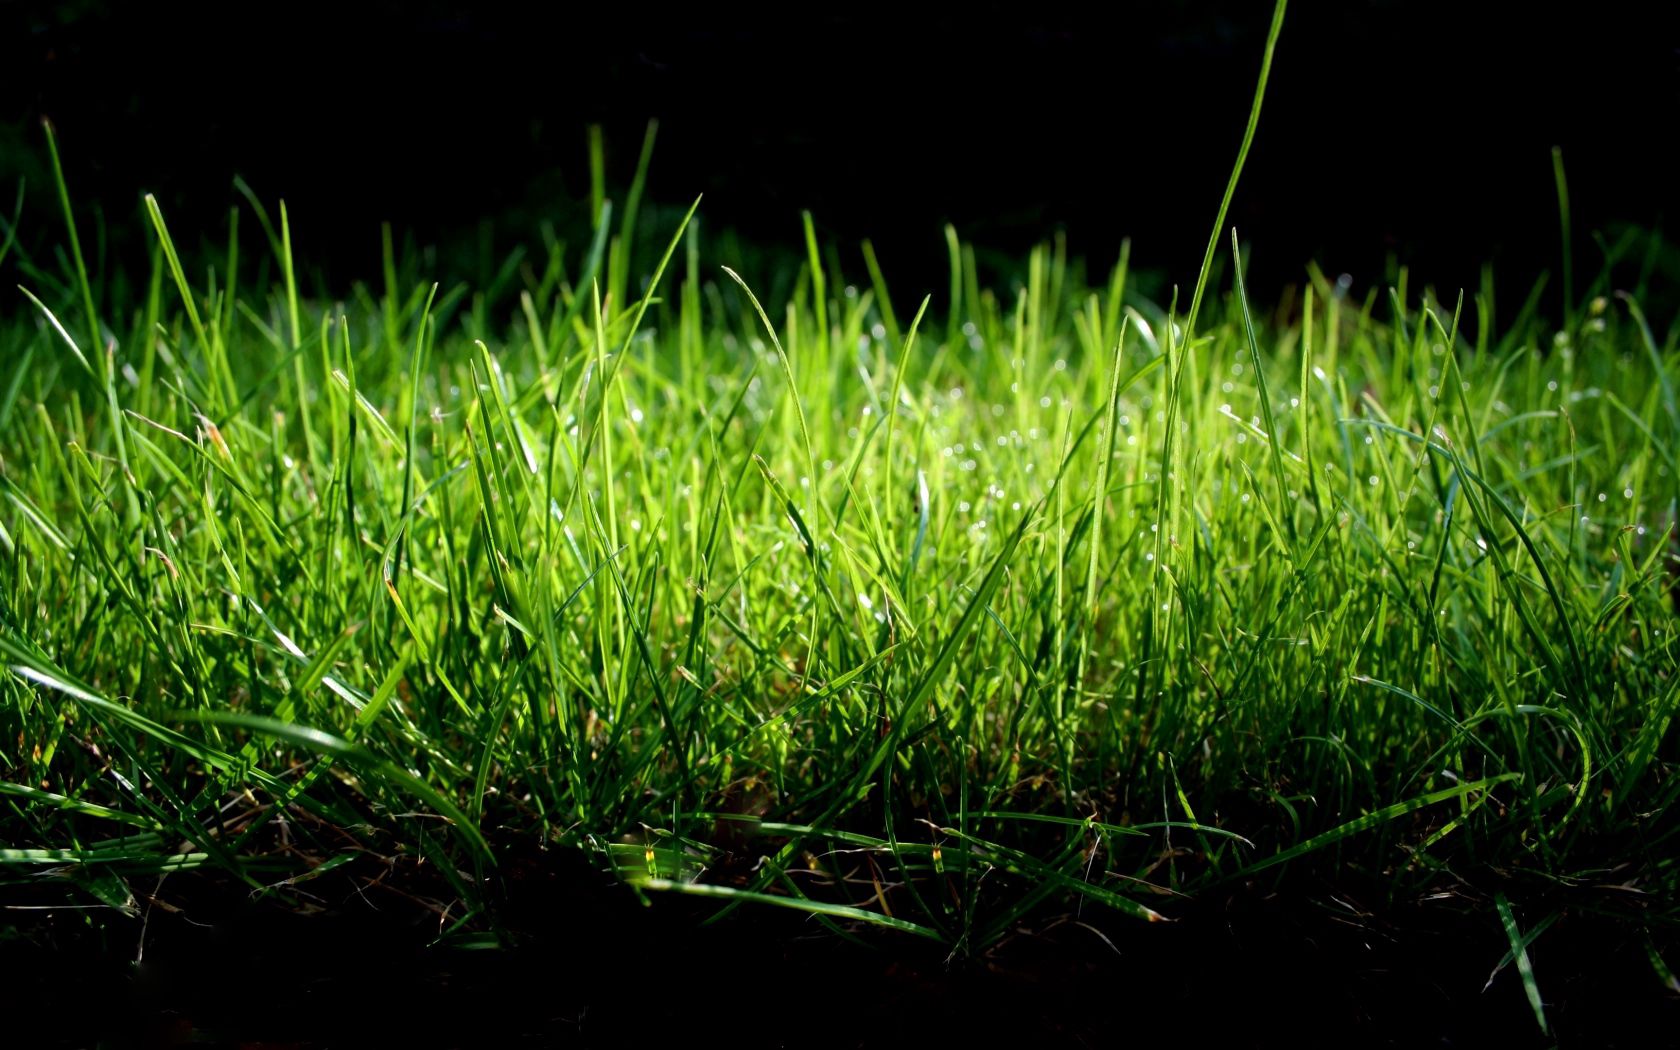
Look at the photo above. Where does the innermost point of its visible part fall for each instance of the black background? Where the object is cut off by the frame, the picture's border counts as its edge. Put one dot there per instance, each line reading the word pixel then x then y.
pixel 1419 131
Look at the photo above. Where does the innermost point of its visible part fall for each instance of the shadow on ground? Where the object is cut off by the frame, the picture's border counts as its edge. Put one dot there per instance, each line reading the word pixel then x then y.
pixel 595 967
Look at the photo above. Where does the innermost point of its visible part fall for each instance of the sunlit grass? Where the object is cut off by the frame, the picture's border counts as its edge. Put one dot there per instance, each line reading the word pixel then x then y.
pixel 917 612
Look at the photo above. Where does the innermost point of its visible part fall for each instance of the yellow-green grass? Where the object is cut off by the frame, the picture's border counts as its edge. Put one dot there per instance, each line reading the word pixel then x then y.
pixel 921 612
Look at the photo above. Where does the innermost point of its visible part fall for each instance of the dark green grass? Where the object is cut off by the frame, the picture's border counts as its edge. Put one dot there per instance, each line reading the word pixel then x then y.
pixel 921 616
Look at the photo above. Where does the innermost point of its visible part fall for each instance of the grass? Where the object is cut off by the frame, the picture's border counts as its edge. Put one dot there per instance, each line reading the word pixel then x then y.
pixel 925 613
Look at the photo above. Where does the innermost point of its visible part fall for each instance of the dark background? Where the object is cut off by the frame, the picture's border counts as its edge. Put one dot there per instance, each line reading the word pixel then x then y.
pixel 1419 132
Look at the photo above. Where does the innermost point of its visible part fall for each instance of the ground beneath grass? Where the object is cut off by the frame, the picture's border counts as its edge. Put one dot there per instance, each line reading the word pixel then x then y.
pixel 596 967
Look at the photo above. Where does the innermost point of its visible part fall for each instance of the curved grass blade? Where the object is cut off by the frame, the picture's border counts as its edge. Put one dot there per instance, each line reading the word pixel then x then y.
pixel 1371 820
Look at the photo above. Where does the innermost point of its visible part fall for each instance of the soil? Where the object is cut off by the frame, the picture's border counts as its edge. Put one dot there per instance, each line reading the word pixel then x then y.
pixel 355 964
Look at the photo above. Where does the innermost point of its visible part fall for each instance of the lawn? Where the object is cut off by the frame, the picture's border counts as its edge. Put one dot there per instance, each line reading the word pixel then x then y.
pixel 925 613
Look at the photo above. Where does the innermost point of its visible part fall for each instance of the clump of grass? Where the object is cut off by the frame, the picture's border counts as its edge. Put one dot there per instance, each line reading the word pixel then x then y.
pixel 1053 592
